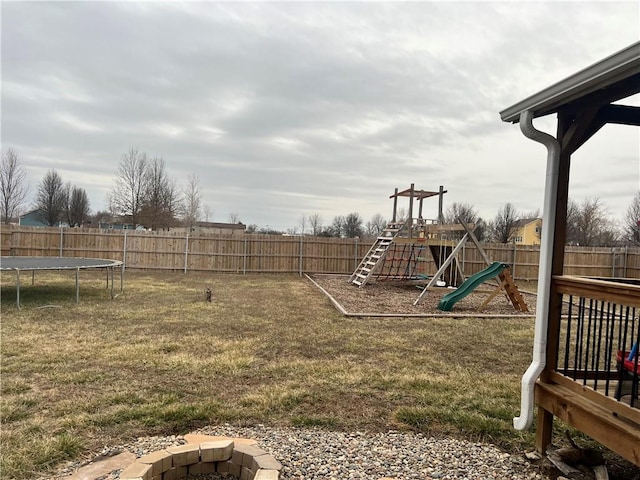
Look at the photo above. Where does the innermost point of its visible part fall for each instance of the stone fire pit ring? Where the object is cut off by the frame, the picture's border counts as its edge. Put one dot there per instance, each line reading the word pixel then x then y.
pixel 242 459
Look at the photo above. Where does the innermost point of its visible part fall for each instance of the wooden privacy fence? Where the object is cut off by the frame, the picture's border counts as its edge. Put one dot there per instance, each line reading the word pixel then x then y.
pixel 251 253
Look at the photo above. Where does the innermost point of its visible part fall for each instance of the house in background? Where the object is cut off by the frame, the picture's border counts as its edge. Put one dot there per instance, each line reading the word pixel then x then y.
pixel 119 226
pixel 218 228
pixel 36 218
pixel 528 231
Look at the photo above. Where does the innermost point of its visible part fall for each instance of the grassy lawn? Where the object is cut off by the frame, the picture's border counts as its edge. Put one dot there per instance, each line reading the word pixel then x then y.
pixel 158 359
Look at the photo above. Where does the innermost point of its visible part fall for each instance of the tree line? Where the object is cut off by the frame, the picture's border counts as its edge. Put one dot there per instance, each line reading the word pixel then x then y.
pixel 588 224
pixel 144 194
pixel 55 200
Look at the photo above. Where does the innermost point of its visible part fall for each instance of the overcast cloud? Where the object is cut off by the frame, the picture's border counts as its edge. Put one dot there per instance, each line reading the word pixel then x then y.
pixel 285 109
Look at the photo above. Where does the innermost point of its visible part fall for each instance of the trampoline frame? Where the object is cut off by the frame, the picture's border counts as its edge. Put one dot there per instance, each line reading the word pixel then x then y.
pixel 33 264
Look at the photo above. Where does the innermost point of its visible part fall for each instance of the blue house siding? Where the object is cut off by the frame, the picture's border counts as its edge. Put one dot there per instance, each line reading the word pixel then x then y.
pixel 34 218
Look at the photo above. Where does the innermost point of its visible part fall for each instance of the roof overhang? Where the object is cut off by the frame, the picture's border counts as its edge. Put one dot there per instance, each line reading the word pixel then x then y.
pixel 616 76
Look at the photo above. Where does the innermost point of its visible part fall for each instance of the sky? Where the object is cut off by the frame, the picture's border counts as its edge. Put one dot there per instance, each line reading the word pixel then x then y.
pixel 284 110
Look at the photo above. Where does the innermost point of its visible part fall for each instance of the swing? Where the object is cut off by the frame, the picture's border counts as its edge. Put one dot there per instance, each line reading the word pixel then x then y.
pixel 441 282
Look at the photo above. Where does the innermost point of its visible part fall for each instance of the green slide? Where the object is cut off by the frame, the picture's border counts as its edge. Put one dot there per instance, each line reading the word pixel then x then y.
pixel 449 300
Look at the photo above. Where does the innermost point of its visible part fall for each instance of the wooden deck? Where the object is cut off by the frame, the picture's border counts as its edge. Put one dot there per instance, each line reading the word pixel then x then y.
pixel 595 320
pixel 583 409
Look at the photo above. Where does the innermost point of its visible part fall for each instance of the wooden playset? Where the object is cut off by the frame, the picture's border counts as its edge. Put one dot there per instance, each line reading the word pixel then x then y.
pixel 403 249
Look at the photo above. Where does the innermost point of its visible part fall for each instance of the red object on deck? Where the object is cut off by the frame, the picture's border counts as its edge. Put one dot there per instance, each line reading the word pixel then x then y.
pixel 629 365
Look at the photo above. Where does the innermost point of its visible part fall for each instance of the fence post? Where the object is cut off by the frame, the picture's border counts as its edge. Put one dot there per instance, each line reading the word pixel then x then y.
pixel 124 251
pixel 356 257
pixel 300 269
pixel 626 257
pixel 515 252
pixel 13 243
pixel 464 257
pixel 61 239
pixel 244 257
pixel 186 253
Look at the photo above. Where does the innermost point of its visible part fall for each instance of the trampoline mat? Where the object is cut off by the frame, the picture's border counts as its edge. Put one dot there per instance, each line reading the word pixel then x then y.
pixel 54 263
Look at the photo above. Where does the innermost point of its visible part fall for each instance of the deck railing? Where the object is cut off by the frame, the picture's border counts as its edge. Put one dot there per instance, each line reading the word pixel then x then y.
pixel 599 327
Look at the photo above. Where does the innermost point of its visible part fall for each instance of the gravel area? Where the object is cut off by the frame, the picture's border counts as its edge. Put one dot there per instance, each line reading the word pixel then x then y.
pixel 308 454
pixel 316 454
pixel 397 297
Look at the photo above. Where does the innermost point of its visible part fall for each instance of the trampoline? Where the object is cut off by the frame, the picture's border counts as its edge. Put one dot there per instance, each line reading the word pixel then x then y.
pixel 33 264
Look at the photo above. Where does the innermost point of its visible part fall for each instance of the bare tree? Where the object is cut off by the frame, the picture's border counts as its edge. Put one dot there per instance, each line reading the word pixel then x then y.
pixel 375 225
pixel 144 193
pixel 588 223
pixel 460 211
pixel 302 222
pixel 161 199
pixel 13 186
pixel 631 222
pixel 504 225
pixel 67 199
pixel 128 194
pixel 192 201
pixel 402 215
pixel 101 216
pixel 51 198
pixel 532 214
pixel 315 222
pixel 208 212
pixel 353 225
pixel 234 217
pixel 77 205
pixel 573 213
pixel 468 214
pixel 337 228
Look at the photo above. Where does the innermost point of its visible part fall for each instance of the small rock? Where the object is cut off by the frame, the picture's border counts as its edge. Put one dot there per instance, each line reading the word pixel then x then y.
pixel 532 456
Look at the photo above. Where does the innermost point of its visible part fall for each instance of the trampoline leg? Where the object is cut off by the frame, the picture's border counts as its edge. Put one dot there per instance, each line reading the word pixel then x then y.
pixel 122 278
pixel 77 285
pixel 33 277
pixel 18 288
pixel 111 282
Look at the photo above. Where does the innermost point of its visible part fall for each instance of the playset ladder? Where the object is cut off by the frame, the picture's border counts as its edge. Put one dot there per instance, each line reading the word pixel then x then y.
pixel 506 280
pixel 375 255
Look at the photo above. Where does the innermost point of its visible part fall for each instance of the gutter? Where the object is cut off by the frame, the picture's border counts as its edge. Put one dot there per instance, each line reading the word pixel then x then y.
pixel 600 75
pixel 538 363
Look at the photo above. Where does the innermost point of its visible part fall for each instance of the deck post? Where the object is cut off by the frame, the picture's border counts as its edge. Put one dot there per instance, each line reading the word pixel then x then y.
pixel 544 430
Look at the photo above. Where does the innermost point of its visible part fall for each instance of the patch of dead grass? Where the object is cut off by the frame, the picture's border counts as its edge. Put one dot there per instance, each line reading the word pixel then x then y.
pixel 158 359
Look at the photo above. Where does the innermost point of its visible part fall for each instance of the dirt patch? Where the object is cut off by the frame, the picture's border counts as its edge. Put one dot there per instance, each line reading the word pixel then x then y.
pixel 397 297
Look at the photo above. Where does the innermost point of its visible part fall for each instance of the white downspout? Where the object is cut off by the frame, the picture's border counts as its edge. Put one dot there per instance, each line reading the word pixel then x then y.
pixel 538 363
